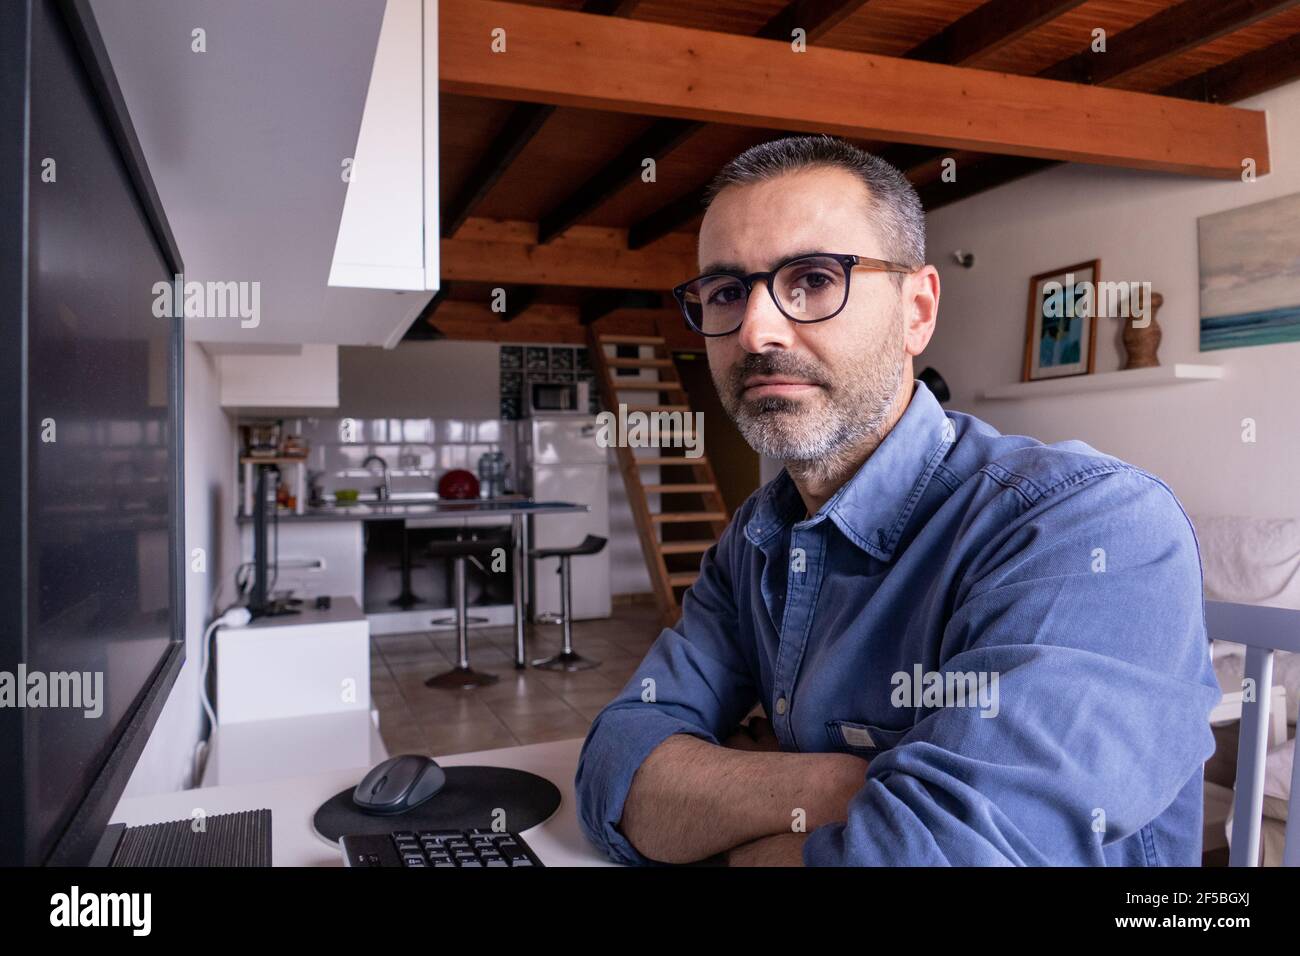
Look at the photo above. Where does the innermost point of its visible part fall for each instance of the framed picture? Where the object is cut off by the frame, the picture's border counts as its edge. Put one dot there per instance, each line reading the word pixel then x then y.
pixel 1061 331
pixel 1250 274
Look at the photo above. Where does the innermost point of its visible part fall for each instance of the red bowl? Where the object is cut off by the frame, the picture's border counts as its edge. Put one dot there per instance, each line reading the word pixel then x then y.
pixel 458 483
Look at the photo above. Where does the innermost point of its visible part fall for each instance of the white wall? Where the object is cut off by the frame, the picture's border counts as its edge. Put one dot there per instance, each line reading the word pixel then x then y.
pixel 420 380
pixel 1142 227
pixel 166 762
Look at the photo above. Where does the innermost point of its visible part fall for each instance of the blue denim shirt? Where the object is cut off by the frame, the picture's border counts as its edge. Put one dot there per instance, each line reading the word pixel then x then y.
pixel 1060 588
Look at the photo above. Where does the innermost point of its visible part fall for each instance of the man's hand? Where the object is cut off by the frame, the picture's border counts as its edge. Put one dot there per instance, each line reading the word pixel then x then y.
pixel 757 735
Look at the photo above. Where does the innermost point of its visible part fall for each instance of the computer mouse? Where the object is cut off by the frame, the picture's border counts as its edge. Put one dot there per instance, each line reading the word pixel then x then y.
pixel 399 784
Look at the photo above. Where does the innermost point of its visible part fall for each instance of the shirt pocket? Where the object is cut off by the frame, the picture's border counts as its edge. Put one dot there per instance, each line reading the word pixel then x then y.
pixel 865 740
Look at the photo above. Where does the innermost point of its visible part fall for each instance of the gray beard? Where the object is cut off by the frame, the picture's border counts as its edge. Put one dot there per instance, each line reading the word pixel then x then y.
pixel 823 445
pixel 823 450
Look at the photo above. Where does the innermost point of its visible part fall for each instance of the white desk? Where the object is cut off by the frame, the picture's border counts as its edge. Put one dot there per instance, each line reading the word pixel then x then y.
pixel 256 751
pixel 293 801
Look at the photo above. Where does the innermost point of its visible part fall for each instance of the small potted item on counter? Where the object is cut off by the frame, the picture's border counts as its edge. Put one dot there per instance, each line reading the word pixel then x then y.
pixel 284 499
pixel 315 495
pixel 293 447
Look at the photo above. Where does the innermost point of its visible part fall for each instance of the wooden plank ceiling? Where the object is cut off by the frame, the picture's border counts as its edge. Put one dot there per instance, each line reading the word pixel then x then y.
pixel 542 194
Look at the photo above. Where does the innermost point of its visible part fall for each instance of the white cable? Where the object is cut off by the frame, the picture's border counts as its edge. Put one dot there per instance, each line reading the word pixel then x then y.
pixel 234 617
pixel 197 764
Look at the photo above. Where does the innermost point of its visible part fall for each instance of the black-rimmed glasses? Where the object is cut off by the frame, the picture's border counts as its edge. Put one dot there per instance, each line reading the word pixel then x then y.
pixel 807 288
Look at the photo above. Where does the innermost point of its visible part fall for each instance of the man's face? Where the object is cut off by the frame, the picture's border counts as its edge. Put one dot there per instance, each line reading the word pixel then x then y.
pixel 801 392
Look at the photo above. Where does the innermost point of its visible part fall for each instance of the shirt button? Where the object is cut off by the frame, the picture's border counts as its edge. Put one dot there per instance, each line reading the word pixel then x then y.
pixel 780 706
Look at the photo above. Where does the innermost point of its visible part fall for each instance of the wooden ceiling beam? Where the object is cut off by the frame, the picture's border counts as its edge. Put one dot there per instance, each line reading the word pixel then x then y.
pixel 987 29
pixel 603 237
pixel 476 322
pixel 814 17
pixel 524 122
pixel 519 299
pixel 1247 75
pixel 602 303
pixel 655 143
pixel 1170 32
pixel 977 177
pixel 632 66
pixel 983 31
pixel 595 258
pixel 423 328
pixel 554 324
pixel 666 219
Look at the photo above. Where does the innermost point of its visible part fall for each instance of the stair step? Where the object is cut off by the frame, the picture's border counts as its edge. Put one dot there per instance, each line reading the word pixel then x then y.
pixel 638 363
pixel 685 547
pixel 630 339
pixel 649 462
pixel 688 517
pixel 654 373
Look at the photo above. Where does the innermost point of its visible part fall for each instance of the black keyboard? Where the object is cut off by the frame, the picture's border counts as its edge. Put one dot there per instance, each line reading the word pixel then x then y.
pixel 440 849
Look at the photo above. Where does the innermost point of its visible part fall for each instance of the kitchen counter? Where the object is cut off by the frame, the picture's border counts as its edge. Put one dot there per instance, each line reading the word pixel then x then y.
pixel 401 510
pixel 412 515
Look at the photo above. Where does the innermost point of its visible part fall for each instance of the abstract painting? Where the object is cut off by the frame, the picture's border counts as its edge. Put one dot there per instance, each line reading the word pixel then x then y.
pixel 1250 275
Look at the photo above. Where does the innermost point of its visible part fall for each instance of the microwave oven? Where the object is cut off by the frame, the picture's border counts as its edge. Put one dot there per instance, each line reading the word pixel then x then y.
pixel 558 398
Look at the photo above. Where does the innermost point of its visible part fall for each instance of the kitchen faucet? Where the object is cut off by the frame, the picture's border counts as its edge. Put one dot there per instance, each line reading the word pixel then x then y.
pixel 383 491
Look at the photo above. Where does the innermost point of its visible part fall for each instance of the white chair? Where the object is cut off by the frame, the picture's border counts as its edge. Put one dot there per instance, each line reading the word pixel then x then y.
pixel 1263 630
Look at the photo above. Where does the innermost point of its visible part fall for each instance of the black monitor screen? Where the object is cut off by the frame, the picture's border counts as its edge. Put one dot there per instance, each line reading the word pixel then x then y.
pixel 101 448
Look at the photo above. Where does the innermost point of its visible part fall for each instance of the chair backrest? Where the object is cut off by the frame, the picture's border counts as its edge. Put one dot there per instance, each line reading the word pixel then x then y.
pixel 1263 630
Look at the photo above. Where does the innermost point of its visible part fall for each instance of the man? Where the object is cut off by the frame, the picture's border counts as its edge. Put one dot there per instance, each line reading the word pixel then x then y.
pixel 973 649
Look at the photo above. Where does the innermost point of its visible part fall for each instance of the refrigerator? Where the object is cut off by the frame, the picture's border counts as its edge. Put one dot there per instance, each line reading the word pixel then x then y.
pixel 560 461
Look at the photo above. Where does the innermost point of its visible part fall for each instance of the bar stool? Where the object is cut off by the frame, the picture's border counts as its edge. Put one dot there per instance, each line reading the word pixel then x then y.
pixel 460 550
pixel 407 599
pixel 568 659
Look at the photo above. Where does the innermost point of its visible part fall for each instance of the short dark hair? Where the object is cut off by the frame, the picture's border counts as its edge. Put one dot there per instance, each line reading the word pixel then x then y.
pixel 900 221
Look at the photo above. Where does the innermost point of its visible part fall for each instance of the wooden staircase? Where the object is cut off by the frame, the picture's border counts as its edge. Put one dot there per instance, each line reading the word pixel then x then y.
pixel 691 528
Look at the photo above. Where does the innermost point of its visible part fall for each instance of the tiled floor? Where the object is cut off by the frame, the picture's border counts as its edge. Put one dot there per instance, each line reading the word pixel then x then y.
pixel 524 707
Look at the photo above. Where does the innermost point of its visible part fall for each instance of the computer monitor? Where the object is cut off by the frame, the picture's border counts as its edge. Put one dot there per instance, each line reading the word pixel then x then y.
pixel 91 572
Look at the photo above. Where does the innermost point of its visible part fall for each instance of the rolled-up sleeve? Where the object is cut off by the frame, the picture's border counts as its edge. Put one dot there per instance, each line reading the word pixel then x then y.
pixel 1084 616
pixel 694 680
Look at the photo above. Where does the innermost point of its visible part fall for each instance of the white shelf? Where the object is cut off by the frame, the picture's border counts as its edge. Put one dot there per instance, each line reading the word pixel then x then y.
pixel 1108 381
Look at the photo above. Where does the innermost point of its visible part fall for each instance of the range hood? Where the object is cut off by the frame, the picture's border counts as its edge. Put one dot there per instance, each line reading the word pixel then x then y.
pixel 389 230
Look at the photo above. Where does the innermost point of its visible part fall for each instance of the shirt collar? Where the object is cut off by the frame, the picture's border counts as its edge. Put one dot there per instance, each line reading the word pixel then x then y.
pixel 872 507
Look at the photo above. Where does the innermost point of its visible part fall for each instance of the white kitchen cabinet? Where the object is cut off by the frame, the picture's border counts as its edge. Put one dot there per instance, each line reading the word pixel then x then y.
pixel 389 230
pixel 315 662
pixel 305 376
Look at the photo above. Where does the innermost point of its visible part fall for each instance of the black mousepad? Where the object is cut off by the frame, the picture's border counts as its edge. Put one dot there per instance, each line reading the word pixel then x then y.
pixel 468 800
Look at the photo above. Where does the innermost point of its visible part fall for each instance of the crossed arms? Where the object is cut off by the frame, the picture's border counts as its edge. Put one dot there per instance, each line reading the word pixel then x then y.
pixel 691 799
